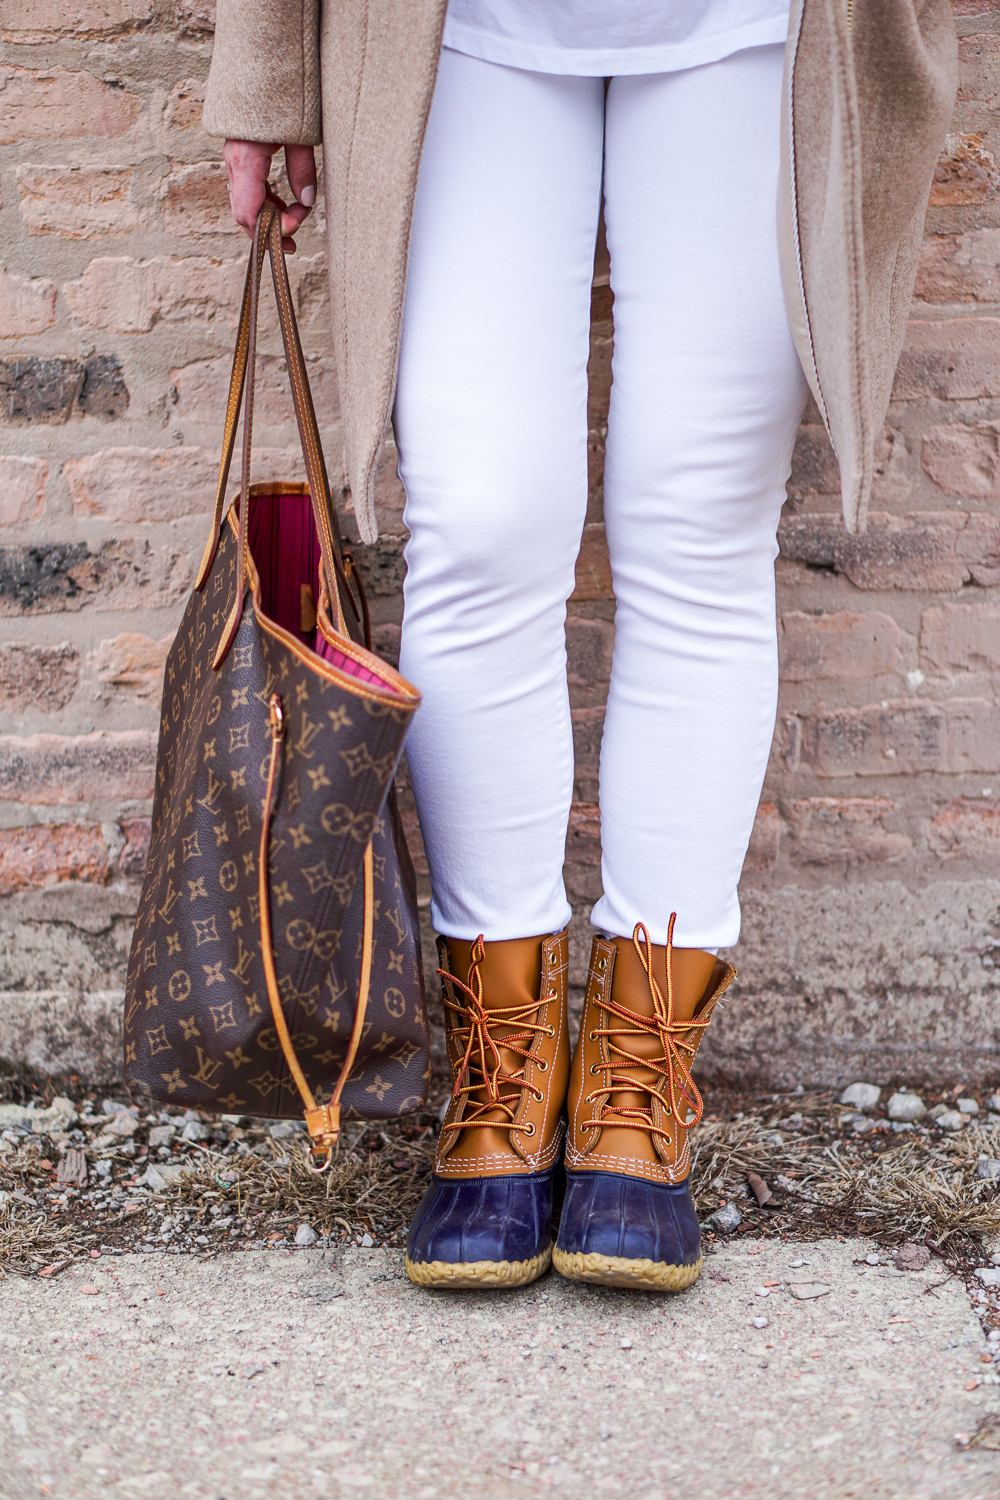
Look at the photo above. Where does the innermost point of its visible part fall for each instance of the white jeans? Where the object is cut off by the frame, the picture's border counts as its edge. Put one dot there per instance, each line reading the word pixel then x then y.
pixel 491 425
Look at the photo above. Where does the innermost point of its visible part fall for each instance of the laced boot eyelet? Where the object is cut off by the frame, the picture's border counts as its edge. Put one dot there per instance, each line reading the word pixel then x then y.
pixel 591 1036
pixel 541 1065
pixel 528 1129
pixel 550 1031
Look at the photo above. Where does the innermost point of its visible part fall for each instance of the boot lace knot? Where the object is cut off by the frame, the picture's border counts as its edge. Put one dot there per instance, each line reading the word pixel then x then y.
pixel 671 1083
pixel 490 1086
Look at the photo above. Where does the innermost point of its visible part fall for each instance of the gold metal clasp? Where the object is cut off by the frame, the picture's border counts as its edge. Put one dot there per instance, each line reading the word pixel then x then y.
pixel 277 716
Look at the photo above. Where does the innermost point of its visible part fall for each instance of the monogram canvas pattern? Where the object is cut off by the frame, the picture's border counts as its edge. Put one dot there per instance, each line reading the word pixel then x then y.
pixel 198 1025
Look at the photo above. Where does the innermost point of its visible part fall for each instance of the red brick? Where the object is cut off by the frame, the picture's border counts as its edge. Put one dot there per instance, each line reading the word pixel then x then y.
pixel 142 484
pixel 960 267
pixel 52 769
pixel 22 489
pixel 964 460
pixel 815 470
pixel 979 69
pixel 195 201
pixel 27 305
pixel 954 360
pixel 961 638
pixel 50 854
pixel 57 105
pixel 843 644
pixel 130 296
pixel 132 664
pixel 201 390
pixel 41 677
pixel 53 577
pixel 414 839
pixel 588 726
pixel 196 15
pixel 583 852
pixel 589 645
pixel 925 550
pixel 965 828
pixel 77 202
pixel 765 839
pixel 845 831
pixel 593 566
pixel 185 105
pixel 966 173
pixel 31 21
pixel 903 737
pixel 137 833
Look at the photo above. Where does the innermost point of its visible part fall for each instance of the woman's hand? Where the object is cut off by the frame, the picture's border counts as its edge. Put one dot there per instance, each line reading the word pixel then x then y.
pixel 249 164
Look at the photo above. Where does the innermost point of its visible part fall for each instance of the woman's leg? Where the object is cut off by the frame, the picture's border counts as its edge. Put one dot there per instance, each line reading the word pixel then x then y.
pixel 490 420
pixel 706 399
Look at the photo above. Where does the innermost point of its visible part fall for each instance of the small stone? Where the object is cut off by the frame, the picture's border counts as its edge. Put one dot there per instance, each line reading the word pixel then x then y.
pixel 988 1167
pixel 900 1127
pixel 861 1125
pixel 906 1107
pixel 306 1235
pixel 797 1264
pixel 121 1126
pixel 952 1120
pixel 112 1106
pixel 991 1121
pixel 989 1275
pixel 937 1111
pixel 911 1257
pixel 625 1344
pixel 161 1135
pixel 366 1242
pixel 194 1130
pixel 993 1102
pixel 763 1291
pixel 872 1260
pixel 861 1095
pixel 760 1322
pixel 726 1219
pixel 162 1177
pixel 967 1106
pixel 806 1290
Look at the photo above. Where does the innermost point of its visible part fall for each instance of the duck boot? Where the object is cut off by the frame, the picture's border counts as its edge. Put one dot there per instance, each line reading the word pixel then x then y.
pixel 486 1219
pixel 628 1217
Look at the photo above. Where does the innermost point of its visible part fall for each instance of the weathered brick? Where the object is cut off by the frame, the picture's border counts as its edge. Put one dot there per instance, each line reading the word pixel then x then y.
pixel 815 470
pixel 583 852
pixel 51 853
pixel 42 677
pixel 381 566
pixel 51 390
pixel 964 460
pixel 67 576
pixel 961 638
pixel 200 391
pixel 185 105
pixel 979 68
pixel 77 202
pixel 845 831
pixel 593 566
pixel 195 201
pixel 58 105
pixel 903 737
pixel 130 296
pixel 966 173
pixel 966 828
pixel 844 644
pixel 133 857
pixel 589 644
pixel 414 839
pixel 53 769
pixel 131 663
pixel 142 484
pixel 22 489
pixel 390 496
pixel 765 839
pixel 588 727
pixel 926 550
pixel 27 305
pixel 27 22
pixel 196 15
pixel 960 267
pixel 954 360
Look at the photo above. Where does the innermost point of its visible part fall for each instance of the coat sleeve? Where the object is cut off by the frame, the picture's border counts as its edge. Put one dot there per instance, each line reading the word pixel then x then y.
pixel 264 82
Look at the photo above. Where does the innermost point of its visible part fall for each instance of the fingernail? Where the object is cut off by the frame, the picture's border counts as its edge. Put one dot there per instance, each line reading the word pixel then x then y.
pixel 307 197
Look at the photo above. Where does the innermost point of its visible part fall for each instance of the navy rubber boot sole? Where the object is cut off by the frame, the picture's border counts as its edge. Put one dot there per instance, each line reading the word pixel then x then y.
pixel 482 1232
pixel 624 1231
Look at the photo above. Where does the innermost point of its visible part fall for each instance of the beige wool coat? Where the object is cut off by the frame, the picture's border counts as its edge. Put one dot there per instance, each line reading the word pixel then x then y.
pixel 869 91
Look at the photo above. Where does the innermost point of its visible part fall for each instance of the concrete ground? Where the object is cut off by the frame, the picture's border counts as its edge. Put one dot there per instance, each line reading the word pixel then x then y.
pixel 304 1373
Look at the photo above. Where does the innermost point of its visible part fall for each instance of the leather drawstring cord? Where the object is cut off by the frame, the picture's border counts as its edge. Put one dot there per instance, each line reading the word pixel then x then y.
pixel 322 1120
pixel 671 1066
pixel 481 1054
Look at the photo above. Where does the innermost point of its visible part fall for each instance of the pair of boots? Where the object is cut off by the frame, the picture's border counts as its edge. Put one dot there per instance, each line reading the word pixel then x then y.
pixel 628 1218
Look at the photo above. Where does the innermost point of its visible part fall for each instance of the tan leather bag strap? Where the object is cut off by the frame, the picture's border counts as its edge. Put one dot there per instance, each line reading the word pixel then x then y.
pixel 267 239
pixel 322 1120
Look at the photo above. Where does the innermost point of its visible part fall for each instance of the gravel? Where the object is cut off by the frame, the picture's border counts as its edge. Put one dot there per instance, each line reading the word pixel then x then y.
pixel 861 1095
pixel 906 1107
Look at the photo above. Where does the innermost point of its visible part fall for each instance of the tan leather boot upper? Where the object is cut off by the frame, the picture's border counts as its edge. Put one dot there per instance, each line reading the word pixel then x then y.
pixel 508 1047
pixel 632 1100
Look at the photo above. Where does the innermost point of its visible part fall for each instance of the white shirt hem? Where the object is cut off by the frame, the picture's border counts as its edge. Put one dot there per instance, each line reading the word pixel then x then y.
pixel 580 62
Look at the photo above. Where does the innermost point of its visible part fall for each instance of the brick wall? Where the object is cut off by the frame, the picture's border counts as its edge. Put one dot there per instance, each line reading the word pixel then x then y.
pixel 871 894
